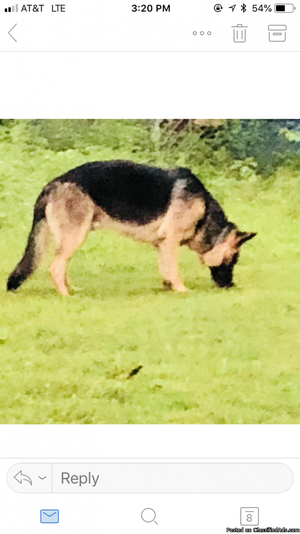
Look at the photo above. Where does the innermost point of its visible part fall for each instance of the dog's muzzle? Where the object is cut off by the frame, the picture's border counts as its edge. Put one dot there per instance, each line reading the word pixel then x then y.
pixel 222 275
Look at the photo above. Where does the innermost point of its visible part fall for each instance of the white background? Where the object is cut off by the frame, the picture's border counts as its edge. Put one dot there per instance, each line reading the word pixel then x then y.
pixel 192 513
pixel 150 85
pixel 106 26
pixel 147 85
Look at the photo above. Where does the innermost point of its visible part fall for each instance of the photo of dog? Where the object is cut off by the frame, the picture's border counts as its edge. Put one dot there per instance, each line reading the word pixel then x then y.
pixel 154 312
pixel 166 208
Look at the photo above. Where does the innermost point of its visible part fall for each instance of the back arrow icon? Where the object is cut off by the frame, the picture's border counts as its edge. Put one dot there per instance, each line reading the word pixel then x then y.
pixel 11 34
pixel 22 477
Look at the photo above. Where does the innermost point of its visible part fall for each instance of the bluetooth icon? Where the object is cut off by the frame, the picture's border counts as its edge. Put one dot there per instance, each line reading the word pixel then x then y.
pixel 243 8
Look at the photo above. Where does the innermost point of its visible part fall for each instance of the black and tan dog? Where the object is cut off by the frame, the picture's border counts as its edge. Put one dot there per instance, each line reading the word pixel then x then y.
pixel 164 208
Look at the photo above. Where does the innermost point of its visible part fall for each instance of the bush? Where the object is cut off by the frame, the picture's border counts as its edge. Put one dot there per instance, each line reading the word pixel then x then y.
pixel 240 148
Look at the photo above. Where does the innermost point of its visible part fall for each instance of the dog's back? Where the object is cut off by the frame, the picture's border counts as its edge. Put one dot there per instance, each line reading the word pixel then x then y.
pixel 130 192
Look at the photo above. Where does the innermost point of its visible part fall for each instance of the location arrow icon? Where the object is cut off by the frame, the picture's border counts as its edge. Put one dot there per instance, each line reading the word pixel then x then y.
pixel 20 477
pixel 11 34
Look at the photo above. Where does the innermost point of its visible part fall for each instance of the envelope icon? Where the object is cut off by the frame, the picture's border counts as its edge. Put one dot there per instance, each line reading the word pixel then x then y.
pixel 49 516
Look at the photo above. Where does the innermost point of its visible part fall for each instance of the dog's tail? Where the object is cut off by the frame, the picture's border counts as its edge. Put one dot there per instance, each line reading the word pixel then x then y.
pixel 33 251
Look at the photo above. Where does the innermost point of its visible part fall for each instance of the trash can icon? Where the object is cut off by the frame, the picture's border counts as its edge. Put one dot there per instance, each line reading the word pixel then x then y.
pixel 239 33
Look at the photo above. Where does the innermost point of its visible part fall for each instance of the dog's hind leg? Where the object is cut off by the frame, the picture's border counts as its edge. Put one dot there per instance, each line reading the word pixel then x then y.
pixel 68 240
pixel 69 220
pixel 66 250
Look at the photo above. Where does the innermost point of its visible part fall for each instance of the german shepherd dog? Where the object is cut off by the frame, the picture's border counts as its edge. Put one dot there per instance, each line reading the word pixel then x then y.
pixel 165 208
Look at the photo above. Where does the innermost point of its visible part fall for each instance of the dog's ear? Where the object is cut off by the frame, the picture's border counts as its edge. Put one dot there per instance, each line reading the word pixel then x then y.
pixel 242 237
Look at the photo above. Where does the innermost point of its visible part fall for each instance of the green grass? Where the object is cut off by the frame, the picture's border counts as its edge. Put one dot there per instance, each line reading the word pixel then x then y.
pixel 208 356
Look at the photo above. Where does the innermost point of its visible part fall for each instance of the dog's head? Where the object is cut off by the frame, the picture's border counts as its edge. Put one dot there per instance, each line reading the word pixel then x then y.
pixel 222 258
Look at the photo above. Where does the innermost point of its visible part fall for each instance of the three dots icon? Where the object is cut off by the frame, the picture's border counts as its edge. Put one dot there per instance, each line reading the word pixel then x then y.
pixel 202 33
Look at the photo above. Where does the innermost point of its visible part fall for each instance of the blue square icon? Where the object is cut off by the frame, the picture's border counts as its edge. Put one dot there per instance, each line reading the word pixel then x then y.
pixel 49 516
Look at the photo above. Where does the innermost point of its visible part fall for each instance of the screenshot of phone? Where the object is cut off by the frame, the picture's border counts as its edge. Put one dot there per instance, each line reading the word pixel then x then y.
pixel 150 259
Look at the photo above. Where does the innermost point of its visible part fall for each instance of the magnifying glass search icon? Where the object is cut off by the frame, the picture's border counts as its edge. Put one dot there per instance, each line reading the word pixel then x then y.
pixel 149 515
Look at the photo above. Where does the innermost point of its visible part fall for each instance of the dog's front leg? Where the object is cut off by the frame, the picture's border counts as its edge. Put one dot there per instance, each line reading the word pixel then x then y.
pixel 168 252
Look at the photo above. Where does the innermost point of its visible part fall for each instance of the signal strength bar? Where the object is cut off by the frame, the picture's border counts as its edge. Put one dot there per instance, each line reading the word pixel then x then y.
pixel 12 9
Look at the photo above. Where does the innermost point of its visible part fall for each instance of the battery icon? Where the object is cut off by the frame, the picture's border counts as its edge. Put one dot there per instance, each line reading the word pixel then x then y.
pixel 284 8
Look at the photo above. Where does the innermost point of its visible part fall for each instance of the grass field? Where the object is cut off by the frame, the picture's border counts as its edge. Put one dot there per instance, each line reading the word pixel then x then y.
pixel 208 356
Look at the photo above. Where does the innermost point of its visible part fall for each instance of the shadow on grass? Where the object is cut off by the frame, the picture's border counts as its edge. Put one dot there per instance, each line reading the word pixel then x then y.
pixel 109 285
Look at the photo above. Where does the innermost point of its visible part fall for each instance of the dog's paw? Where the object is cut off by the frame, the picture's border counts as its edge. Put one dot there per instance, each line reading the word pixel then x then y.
pixel 167 285
pixel 181 289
